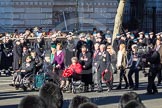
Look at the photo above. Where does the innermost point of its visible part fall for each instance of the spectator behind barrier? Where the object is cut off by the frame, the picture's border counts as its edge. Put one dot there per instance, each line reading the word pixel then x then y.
pixel 134 104
pixel 88 105
pixel 52 95
pixel 77 100
pixel 32 102
pixel 128 97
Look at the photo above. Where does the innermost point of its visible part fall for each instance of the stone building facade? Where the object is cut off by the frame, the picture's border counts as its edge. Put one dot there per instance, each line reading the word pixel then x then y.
pixel 142 11
pixel 59 14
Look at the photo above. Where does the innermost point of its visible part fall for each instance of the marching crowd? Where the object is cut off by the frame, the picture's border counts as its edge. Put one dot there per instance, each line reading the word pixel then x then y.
pixel 91 57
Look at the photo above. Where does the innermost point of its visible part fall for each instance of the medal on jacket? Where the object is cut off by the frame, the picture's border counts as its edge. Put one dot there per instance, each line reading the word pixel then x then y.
pixel 104 59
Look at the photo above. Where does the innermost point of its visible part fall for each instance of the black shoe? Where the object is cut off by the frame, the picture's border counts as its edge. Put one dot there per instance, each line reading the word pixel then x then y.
pixel 85 89
pixel 17 86
pixel 155 92
pixel 11 85
pixel 109 89
pixel 135 88
pixel 118 87
pixel 131 88
pixel 99 90
pixel 126 86
pixel 8 74
pixel 158 84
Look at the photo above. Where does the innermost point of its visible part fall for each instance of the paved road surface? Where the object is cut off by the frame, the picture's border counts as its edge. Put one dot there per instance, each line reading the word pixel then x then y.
pixel 9 97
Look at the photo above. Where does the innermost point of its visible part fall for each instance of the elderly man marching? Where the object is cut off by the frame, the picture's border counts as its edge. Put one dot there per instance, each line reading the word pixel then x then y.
pixel 103 64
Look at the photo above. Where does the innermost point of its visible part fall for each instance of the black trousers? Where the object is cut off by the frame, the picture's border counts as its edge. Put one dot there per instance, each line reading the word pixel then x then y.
pixel 87 79
pixel 122 75
pixel 159 75
pixel 151 80
pixel 132 71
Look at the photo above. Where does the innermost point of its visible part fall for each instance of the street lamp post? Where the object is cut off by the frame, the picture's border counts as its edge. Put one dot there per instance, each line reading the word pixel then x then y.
pixel 154 19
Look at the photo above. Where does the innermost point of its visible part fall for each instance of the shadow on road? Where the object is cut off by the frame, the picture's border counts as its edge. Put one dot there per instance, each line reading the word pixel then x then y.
pixel 100 100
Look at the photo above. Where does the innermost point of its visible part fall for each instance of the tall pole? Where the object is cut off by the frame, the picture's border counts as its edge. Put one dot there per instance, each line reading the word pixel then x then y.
pixel 154 19
pixel 65 21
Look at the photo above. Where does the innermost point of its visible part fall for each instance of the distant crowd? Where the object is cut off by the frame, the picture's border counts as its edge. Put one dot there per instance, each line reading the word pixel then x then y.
pixel 92 58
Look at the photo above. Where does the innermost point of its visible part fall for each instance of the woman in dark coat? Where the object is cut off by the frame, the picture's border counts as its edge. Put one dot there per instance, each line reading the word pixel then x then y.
pixel 17 54
pixel 85 59
pixel 7 55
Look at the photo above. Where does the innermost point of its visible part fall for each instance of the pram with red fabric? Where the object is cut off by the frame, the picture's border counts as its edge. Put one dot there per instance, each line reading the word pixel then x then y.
pixel 74 73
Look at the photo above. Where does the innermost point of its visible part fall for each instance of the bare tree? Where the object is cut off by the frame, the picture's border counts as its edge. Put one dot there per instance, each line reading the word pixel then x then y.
pixel 119 18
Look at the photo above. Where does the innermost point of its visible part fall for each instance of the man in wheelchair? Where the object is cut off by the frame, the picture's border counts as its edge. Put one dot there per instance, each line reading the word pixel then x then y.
pixel 26 68
pixel 72 72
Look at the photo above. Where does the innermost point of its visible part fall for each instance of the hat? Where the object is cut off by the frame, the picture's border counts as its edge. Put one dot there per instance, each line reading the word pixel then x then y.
pixel 39 34
pixel 94 33
pixel 82 35
pixel 68 36
pixel 36 29
pixel 71 33
pixel 122 35
pixel 135 40
pixel 134 45
pixel 139 38
pixel 53 46
pixel 157 34
pixel 146 34
pixel 151 33
pixel 128 33
pixel 132 35
pixel 17 40
pixel 118 35
pixel 141 33
pixel 107 36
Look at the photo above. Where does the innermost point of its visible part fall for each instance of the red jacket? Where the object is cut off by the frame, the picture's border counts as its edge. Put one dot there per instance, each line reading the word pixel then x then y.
pixel 77 68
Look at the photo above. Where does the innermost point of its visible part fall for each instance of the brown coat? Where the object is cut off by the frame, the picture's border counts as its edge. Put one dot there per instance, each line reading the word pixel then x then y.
pixel 160 52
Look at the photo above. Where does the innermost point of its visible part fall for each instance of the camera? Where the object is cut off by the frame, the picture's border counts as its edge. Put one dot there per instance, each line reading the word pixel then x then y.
pixel 143 51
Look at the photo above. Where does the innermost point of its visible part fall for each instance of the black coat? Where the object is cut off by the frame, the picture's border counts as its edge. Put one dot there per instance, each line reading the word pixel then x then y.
pixel 38 63
pixel 90 46
pixel 104 61
pixel 116 44
pixel 7 55
pixel 17 54
pixel 27 68
pixel 87 62
pixel 79 45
